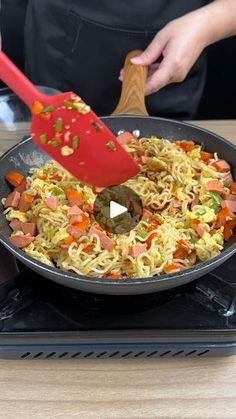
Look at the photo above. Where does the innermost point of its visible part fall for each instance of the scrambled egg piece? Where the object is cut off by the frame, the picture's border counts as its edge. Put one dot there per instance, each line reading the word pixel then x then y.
pixel 14 214
pixel 209 246
pixel 201 213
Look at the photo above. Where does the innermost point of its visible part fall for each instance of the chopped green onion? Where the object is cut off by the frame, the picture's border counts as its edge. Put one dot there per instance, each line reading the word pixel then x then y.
pixel 43 138
pixel 57 191
pixel 178 184
pixel 55 143
pixel 194 240
pixel 111 146
pixel 143 233
pixel 79 106
pixel 49 108
pixel 200 211
pixel 216 198
pixel 75 142
pixel 97 126
pixel 58 125
pixel 51 233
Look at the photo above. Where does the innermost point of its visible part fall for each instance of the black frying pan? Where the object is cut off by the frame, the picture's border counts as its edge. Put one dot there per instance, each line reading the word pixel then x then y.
pixel 25 155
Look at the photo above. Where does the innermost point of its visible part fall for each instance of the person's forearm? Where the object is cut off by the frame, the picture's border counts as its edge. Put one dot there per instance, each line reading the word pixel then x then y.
pixel 220 18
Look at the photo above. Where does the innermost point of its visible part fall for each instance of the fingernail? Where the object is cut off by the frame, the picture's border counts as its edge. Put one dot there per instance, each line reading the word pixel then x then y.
pixel 136 60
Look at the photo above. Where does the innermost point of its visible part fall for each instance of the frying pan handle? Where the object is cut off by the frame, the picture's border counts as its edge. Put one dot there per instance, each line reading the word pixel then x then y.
pixel 132 99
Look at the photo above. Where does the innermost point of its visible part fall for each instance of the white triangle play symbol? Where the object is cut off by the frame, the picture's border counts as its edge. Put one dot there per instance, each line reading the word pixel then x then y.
pixel 116 209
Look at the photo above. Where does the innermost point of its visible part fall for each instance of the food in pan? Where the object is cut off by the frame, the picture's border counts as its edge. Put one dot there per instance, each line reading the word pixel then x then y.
pixel 189 201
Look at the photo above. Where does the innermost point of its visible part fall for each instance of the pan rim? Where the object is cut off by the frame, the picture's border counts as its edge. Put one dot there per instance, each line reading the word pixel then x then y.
pixel 124 282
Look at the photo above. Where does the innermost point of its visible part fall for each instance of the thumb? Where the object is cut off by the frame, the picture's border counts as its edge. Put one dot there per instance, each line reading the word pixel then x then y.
pixel 152 52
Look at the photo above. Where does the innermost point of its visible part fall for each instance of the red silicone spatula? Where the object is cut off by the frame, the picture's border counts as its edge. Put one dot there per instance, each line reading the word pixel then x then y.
pixel 66 128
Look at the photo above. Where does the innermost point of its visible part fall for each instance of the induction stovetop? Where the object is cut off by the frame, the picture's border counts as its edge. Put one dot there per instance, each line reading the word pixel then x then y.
pixel 41 319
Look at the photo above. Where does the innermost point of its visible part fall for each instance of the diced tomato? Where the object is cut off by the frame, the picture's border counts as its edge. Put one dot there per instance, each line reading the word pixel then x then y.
pixel 74 197
pixel 206 156
pixel 222 217
pixel 185 145
pixel 14 178
pixel 153 226
pixel 150 239
pixel 228 228
pixel 221 166
pixel 56 177
pixel 113 276
pixel 68 240
pixel 174 267
pixel 233 188
pixel 89 248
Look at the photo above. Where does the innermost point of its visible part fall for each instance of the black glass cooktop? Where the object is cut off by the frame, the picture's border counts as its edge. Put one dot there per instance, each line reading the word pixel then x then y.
pixel 30 303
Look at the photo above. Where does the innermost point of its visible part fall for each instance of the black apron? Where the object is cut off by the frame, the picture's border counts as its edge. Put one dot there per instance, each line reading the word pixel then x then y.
pixel 80 45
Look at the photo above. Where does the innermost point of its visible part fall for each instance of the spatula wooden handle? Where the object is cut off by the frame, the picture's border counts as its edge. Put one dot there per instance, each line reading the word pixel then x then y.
pixel 132 99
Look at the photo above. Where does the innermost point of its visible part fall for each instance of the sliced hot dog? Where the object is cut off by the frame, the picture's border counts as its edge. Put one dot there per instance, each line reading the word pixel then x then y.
pixel 13 200
pixel 215 186
pixel 21 241
pixel 106 242
pixel 137 250
pixel 221 166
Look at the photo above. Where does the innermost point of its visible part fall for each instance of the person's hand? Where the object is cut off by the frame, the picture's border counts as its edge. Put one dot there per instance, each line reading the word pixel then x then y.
pixel 179 45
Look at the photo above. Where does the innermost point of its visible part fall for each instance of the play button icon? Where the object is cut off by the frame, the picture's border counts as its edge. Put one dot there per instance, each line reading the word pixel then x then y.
pixel 118 209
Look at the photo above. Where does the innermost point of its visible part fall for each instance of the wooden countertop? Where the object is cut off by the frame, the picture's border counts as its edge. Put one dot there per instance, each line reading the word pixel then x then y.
pixel 142 388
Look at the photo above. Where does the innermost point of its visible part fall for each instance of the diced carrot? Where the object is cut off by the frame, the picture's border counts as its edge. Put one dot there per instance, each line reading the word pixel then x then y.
pixel 150 239
pixel 56 177
pixel 173 188
pixel 68 240
pixel 42 177
pixel 89 248
pixel 233 188
pixel 187 245
pixel 113 276
pixel 228 228
pixel 37 108
pixel 174 267
pixel 180 253
pixel 153 226
pixel 206 156
pixel 185 248
pixel 14 178
pixel 222 217
pixel 221 166
pixel 74 197
pixel 185 145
